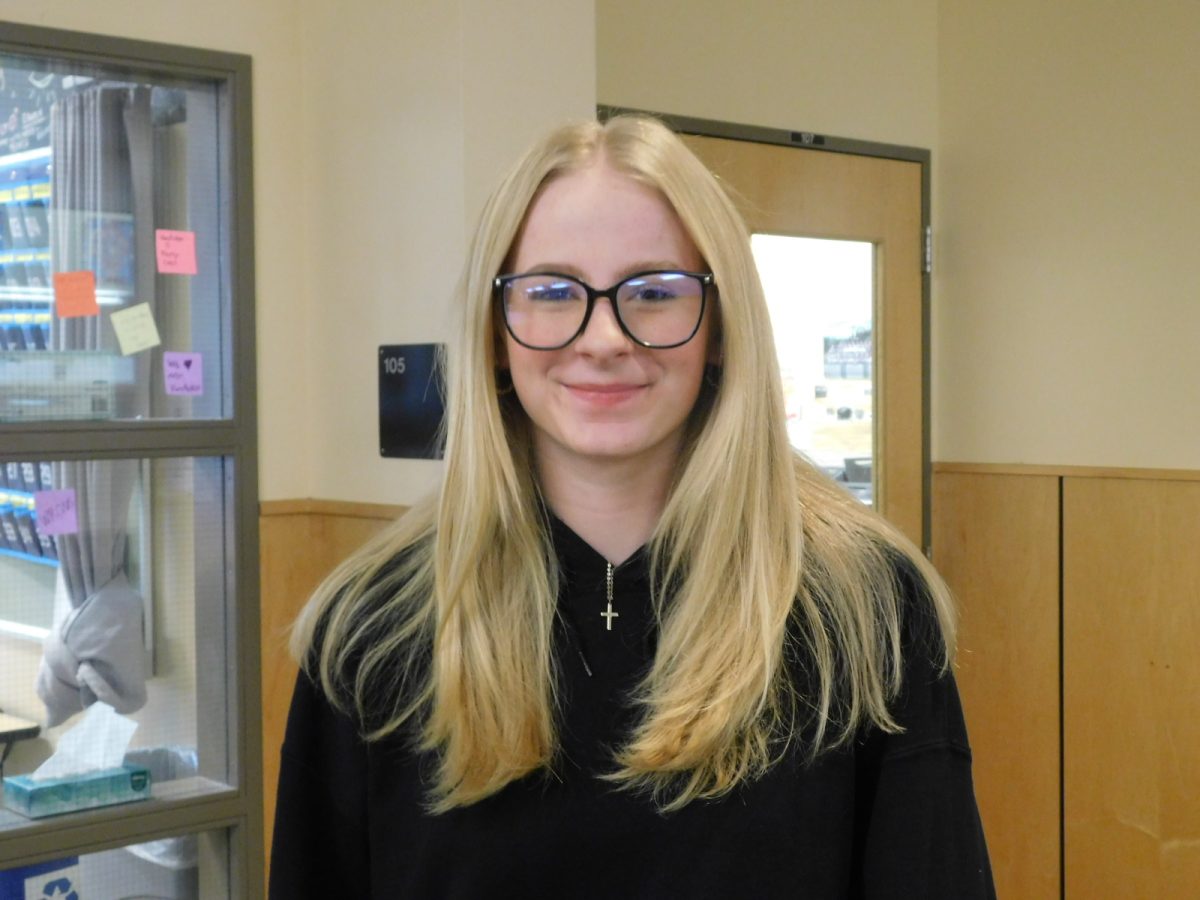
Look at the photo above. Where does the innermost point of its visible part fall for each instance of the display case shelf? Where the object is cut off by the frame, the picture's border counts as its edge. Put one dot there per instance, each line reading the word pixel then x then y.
pixel 28 557
pixel 24 255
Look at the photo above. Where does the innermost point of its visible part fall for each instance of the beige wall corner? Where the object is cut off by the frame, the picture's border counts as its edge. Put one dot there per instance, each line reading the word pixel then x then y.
pixel 1068 205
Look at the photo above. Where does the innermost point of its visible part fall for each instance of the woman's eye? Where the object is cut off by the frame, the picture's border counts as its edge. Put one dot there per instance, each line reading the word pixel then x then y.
pixel 651 293
pixel 553 293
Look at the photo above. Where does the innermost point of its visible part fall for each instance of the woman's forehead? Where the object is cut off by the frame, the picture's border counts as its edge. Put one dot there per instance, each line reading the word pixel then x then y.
pixel 596 212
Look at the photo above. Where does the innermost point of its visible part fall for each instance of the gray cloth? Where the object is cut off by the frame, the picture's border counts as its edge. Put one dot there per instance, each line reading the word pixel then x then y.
pixel 101 197
pixel 95 653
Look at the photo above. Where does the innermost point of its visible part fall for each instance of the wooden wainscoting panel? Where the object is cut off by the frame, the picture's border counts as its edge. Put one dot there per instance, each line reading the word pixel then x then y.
pixel 302 541
pixel 995 541
pixel 1131 623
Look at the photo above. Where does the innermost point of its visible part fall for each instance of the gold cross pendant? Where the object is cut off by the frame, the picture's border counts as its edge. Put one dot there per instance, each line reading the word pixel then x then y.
pixel 608 615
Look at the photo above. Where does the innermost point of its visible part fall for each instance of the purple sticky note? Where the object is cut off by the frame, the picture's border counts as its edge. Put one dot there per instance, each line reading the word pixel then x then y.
pixel 183 373
pixel 56 512
pixel 176 251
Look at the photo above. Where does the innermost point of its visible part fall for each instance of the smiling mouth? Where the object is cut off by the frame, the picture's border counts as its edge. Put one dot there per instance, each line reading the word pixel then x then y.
pixel 604 394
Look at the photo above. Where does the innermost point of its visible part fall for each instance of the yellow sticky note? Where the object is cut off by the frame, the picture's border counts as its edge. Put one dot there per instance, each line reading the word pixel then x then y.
pixel 135 329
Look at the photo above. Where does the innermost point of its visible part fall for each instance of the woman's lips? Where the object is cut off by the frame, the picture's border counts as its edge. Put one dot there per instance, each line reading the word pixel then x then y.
pixel 604 394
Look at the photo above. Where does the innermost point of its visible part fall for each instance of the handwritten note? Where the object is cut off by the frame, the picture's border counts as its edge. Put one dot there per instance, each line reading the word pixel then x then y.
pixel 183 373
pixel 135 329
pixel 75 295
pixel 176 251
pixel 56 512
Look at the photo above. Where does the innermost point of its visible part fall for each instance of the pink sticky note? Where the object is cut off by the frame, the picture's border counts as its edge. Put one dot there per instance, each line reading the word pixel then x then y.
pixel 56 512
pixel 183 373
pixel 176 251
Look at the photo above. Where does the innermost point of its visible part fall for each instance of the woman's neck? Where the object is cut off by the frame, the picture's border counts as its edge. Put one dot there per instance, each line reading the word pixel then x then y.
pixel 614 505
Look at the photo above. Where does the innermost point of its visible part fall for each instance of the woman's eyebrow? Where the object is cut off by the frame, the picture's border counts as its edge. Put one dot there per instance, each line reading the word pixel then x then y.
pixel 631 269
pixel 559 268
pixel 652 266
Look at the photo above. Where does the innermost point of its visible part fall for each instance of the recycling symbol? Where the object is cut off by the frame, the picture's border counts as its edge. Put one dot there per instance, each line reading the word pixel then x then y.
pixel 61 888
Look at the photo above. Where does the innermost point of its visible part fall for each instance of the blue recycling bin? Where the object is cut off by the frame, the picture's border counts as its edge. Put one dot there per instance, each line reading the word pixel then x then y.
pixel 57 879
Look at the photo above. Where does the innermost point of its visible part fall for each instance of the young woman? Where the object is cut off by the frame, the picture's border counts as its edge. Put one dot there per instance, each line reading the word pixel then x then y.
pixel 635 646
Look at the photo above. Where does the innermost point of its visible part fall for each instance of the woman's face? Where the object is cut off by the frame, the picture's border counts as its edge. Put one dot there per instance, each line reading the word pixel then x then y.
pixel 603 397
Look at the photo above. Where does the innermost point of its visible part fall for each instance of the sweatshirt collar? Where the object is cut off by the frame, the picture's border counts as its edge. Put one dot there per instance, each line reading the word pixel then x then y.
pixel 578 558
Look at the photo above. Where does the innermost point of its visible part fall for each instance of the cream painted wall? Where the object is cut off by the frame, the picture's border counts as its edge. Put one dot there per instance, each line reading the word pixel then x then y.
pixel 863 69
pixel 1068 294
pixel 411 115
pixel 383 171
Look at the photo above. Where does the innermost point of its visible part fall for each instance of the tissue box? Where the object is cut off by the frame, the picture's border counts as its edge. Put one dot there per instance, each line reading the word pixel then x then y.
pixel 49 797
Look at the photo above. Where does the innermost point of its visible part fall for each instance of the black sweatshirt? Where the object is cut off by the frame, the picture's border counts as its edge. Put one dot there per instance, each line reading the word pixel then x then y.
pixel 889 816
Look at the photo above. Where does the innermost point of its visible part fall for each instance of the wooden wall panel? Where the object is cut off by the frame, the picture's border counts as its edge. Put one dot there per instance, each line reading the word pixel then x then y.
pixel 995 540
pixel 1131 623
pixel 301 542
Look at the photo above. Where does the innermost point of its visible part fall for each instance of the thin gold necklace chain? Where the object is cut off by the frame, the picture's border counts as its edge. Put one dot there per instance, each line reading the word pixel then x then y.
pixel 608 615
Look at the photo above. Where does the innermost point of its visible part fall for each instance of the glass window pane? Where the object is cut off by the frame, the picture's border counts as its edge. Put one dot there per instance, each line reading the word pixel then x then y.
pixel 821 296
pixel 119 587
pixel 115 244
pixel 180 867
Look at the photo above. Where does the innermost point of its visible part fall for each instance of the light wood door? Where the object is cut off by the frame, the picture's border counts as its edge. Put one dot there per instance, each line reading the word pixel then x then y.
pixel 813 193
pixel 995 541
pixel 1131 688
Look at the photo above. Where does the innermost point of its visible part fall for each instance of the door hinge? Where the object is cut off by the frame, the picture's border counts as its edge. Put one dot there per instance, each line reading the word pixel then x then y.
pixel 928 249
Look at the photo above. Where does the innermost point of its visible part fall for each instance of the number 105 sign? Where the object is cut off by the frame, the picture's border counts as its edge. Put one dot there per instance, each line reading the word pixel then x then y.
pixel 411 405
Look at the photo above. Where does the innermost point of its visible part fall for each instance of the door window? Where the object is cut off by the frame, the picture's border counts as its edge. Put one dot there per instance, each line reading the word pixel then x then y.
pixel 821 297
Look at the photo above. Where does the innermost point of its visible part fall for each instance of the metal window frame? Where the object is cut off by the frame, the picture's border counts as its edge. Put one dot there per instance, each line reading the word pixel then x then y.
pixel 808 140
pixel 238 809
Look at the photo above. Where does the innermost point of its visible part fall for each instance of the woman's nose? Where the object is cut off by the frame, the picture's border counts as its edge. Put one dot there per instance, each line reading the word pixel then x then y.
pixel 603 334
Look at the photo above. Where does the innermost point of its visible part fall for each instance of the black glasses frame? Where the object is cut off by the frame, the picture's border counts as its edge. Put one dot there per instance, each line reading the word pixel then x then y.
pixel 705 278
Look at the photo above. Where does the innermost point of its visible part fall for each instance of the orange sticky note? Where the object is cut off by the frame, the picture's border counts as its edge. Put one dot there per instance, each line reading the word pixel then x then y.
pixel 75 294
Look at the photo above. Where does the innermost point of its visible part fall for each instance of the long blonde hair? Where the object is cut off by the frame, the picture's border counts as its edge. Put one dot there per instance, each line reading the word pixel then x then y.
pixel 442 626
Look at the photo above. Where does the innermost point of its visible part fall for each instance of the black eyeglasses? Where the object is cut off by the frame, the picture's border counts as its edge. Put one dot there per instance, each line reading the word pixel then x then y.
pixel 548 310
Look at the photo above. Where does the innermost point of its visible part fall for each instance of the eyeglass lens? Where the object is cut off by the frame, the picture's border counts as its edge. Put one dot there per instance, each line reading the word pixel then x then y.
pixel 660 309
